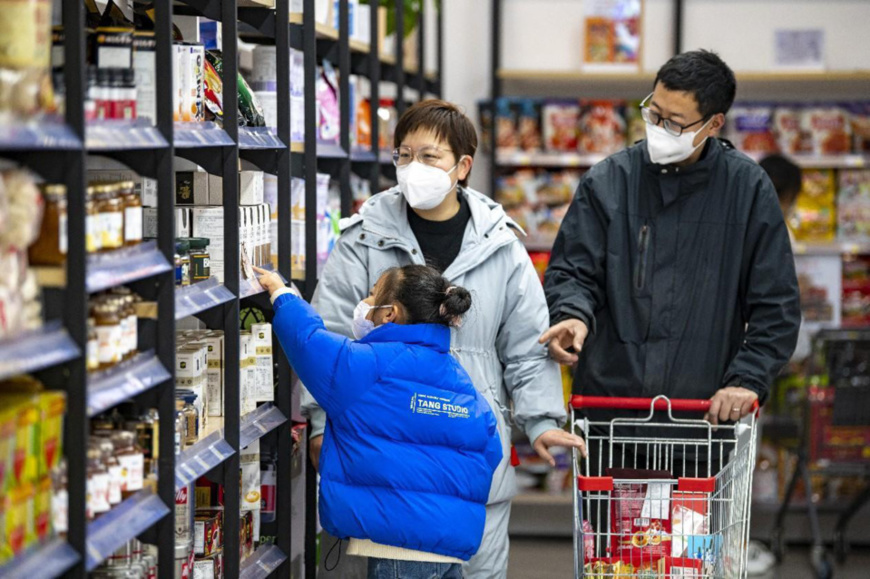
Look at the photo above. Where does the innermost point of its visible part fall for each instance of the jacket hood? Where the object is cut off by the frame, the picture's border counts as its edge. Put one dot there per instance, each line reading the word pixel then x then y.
pixel 433 336
pixel 385 218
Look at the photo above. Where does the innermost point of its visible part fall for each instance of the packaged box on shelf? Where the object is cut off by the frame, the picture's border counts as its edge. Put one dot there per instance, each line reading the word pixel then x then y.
pixel 209 222
pixel 210 34
pixel 190 373
pixel 269 102
pixel 249 492
pixel 182 223
pixel 247 374
pixel 191 188
pixel 188 26
pixel 363 24
pixel 215 372
pixel 146 188
pixel 352 16
pixel 250 188
pixel 246 535
pixel 262 341
pixel 209 567
pixel 208 531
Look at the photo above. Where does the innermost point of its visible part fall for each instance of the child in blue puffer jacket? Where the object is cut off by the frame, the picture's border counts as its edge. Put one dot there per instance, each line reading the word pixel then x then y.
pixel 410 445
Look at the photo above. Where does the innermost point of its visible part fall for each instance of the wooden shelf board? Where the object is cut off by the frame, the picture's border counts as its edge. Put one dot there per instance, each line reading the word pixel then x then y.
pixel 50 276
pixel 324 31
pixel 360 47
pixel 256 3
pixel 297 147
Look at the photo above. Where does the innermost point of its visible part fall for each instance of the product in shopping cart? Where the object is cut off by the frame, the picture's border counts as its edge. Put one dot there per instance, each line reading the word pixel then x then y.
pixel 640 513
pixel 685 523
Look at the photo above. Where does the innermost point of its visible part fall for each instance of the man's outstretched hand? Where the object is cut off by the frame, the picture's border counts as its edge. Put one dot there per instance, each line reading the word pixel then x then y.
pixel 566 334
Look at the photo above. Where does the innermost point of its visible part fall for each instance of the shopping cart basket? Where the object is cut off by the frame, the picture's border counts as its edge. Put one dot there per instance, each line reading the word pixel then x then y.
pixel 661 496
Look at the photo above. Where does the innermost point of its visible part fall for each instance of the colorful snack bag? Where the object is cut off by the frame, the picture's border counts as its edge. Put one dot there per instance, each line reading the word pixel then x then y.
pixel 328 115
pixel 635 125
pixel 602 127
pixel 751 128
pixel 788 128
pixel 860 118
pixel 814 217
pixel 560 123
pixel 830 131
pixel 506 136
pixel 853 205
pixel 529 125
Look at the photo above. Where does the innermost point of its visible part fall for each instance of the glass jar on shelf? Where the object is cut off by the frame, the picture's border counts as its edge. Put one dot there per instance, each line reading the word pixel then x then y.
pixel 111 212
pixel 132 203
pixel 50 248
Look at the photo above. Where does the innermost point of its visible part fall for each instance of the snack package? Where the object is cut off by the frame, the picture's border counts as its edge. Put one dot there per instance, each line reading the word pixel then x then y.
pixel 484 113
pixel 560 121
pixel 685 523
pixel 602 127
pixel 829 129
pixel 250 112
pixel 529 124
pixel 788 129
pixel 640 515
pixel 751 128
pixel 506 135
pixel 328 116
pixel 588 541
pixel 214 93
pixel 681 568
pixel 853 206
pixel 814 216
pixel 635 125
pixel 859 115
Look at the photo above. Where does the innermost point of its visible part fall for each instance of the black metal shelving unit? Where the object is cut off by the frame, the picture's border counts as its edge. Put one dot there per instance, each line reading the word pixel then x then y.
pixel 58 152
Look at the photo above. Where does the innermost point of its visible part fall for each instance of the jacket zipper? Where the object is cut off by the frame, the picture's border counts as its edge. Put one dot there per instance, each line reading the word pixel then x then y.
pixel 642 250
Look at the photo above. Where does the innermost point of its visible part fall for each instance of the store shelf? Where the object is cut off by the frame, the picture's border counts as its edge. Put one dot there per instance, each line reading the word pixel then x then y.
pixel 359 47
pixel 262 563
pixel 255 3
pixel 35 350
pixel 200 135
pixel 832 248
pixel 201 458
pixel 122 524
pixel 296 18
pixel 330 151
pixel 47 135
pixel 199 297
pixel 110 136
pixel 575 76
pixel 260 422
pixel 358 156
pixel 845 161
pixel 125 266
pixel 325 32
pixel 254 138
pixel 46 562
pixel 546 159
pixel 125 381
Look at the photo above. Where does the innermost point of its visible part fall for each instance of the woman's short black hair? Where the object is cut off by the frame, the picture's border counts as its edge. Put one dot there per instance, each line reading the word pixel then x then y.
pixel 786 177
pixel 703 74
pixel 426 295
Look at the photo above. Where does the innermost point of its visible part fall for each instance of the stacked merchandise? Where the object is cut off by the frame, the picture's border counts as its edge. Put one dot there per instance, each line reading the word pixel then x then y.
pixel 593 127
pixel 113 334
pixel 25 65
pixel 264 82
pixel 22 225
pixel 327 222
pixel 800 129
pixel 538 200
pixel 32 485
pixel 122 454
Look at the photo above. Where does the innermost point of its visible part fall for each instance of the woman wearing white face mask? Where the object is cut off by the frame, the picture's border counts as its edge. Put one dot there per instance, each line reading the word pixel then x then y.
pixel 432 217
pixel 411 445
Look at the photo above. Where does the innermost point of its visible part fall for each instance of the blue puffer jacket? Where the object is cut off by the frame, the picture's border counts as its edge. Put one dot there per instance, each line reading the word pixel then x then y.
pixel 410 445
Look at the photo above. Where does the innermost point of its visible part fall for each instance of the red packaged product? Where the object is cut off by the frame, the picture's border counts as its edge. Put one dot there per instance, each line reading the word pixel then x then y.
pixel 830 130
pixel 640 514
pixel 860 118
pixel 788 128
pixel 602 127
pixel 751 128
pixel 560 122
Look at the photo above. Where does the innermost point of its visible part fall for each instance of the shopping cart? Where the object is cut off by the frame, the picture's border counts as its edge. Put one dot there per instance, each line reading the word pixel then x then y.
pixel 658 495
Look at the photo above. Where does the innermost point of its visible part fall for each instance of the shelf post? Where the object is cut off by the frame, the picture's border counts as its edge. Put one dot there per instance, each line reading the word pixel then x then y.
pixel 345 105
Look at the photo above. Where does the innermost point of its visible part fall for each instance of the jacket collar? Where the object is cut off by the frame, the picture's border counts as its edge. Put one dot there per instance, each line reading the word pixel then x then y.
pixel 384 220
pixel 712 148
pixel 433 336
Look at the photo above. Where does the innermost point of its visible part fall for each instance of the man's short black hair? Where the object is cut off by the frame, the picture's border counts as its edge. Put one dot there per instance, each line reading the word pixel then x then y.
pixel 703 74
pixel 786 177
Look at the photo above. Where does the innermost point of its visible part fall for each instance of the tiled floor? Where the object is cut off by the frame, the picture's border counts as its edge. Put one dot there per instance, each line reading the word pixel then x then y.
pixel 553 559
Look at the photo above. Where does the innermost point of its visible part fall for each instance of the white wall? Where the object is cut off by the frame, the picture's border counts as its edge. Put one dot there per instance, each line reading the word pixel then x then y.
pixel 547 35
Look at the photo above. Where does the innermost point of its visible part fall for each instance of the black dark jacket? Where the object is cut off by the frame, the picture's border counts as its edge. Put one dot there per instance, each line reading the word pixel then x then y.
pixel 685 276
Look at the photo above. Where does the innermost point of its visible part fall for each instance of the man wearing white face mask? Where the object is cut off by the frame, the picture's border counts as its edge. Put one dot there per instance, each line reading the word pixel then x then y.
pixel 672 272
pixel 431 217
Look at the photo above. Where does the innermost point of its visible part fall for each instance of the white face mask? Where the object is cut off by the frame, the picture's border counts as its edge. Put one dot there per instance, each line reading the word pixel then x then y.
pixel 362 326
pixel 665 149
pixel 423 186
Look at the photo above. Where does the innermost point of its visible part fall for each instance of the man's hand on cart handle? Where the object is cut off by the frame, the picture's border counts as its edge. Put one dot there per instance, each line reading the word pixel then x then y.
pixel 730 404
pixel 564 335
pixel 557 437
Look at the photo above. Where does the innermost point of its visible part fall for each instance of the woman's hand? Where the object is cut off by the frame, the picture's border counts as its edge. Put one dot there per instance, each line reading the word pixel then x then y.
pixel 270 280
pixel 557 437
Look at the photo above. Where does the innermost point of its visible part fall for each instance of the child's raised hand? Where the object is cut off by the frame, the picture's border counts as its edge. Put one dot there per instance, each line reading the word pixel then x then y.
pixel 270 280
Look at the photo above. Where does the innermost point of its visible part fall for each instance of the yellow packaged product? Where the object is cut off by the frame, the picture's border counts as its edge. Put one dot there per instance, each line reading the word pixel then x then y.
pixel 52 406
pixel 7 445
pixel 18 520
pixel 814 218
pixel 25 450
pixel 42 510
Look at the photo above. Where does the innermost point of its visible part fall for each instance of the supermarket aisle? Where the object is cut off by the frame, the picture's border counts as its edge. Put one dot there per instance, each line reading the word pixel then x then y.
pixel 552 559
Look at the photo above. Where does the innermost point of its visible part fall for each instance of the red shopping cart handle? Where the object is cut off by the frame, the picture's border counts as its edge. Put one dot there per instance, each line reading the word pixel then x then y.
pixel 614 403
